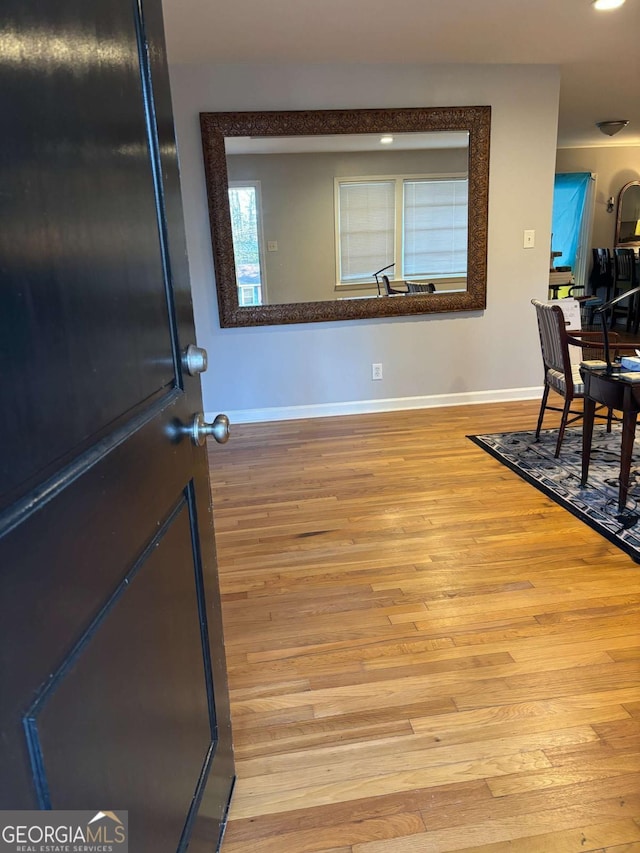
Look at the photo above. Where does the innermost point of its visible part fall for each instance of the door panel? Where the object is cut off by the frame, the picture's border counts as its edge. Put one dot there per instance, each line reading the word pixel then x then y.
pixel 112 517
pixel 80 764
pixel 113 688
pixel 88 284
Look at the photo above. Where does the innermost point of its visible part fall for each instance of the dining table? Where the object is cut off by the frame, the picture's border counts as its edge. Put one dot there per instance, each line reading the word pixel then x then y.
pixel 618 390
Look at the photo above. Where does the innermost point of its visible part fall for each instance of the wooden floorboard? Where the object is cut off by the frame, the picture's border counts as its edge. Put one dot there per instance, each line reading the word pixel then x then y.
pixel 425 653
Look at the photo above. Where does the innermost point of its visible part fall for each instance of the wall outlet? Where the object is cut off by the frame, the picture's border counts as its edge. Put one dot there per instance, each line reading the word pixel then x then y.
pixel 376 371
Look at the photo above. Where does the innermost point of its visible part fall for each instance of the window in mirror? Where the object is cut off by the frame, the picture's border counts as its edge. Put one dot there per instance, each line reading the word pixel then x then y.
pixel 246 226
pixel 418 225
pixel 366 224
pixel 435 229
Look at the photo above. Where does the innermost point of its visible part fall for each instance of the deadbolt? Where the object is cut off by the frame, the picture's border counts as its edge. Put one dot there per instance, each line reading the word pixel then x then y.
pixel 195 360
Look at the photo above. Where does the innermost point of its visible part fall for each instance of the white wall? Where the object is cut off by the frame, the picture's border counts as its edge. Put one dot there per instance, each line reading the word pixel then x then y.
pixel 325 368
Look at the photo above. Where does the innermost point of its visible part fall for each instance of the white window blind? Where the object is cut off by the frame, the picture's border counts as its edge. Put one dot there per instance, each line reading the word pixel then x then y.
pixel 435 227
pixel 366 228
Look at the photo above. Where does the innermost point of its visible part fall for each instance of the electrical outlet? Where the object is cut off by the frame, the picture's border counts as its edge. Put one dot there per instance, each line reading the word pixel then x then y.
pixel 376 371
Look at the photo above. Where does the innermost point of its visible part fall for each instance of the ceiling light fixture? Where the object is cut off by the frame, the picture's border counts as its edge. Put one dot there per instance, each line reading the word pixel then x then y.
pixel 386 140
pixel 610 128
pixel 607 4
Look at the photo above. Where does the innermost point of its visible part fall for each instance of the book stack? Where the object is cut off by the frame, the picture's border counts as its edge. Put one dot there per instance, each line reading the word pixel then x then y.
pixel 630 369
pixel 630 362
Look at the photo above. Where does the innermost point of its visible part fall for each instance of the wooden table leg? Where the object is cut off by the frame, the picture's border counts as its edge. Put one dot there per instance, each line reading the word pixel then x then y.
pixel 587 435
pixel 628 435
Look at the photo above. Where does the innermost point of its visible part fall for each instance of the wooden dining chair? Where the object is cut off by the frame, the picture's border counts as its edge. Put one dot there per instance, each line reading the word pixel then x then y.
pixel 560 374
pixel 626 277
pixel 601 273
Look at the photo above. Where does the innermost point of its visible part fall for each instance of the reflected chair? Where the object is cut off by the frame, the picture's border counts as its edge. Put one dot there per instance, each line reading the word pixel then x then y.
pixel 392 291
pixel 560 374
pixel 626 277
pixel 416 287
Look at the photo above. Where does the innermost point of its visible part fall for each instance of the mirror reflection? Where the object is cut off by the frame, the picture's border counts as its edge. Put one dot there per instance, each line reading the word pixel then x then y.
pixel 315 218
pixel 318 218
pixel 628 219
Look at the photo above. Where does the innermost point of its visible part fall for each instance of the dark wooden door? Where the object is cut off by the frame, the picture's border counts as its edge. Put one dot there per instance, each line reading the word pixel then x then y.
pixel 112 672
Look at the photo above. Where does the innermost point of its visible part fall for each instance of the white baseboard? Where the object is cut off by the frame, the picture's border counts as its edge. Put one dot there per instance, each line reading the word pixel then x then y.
pixel 361 407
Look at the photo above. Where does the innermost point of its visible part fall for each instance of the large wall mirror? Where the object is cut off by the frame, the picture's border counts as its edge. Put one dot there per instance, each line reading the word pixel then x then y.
pixel 628 217
pixel 347 214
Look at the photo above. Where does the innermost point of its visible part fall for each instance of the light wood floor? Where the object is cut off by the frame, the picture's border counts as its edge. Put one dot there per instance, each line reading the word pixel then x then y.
pixel 425 653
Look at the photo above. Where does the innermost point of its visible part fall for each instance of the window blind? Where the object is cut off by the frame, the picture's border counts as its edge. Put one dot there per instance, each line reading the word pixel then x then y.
pixel 366 228
pixel 435 227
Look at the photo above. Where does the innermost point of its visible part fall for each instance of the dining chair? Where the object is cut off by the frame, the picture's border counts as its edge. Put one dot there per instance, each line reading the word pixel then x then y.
pixel 560 374
pixel 626 277
pixel 601 273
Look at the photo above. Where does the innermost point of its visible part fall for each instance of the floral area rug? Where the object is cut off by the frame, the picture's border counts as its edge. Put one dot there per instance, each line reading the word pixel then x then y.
pixel 596 503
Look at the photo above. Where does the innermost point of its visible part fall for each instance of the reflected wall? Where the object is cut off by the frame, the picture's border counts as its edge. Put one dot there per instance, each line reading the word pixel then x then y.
pixel 298 213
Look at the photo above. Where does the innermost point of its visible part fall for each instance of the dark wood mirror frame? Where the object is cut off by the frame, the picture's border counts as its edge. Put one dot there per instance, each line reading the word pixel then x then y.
pixel 625 243
pixel 216 126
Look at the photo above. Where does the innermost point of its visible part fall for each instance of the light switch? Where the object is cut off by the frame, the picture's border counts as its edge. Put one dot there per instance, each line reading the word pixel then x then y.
pixel 529 239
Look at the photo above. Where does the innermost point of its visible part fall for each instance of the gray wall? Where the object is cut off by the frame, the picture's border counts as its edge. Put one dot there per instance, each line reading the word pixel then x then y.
pixel 298 210
pixel 325 368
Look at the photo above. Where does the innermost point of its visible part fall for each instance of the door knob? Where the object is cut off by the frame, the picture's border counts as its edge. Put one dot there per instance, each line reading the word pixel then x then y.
pixel 195 360
pixel 200 429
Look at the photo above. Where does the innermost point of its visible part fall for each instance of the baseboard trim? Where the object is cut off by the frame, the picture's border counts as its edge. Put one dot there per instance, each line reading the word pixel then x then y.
pixel 393 404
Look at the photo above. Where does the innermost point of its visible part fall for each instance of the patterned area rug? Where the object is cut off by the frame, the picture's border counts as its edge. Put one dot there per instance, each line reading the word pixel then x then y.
pixel 597 503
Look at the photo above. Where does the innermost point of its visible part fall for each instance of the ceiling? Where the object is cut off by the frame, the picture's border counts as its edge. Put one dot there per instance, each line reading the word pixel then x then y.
pixel 344 142
pixel 598 52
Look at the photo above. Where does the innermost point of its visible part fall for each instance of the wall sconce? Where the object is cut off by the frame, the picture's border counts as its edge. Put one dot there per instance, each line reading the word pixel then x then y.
pixel 611 203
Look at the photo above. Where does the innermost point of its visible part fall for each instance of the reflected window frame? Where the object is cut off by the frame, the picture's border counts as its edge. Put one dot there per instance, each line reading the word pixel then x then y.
pixel 261 286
